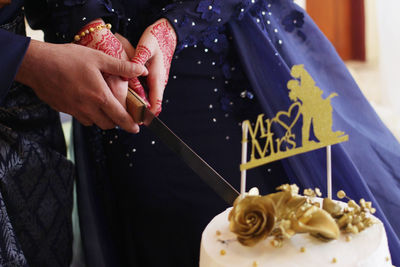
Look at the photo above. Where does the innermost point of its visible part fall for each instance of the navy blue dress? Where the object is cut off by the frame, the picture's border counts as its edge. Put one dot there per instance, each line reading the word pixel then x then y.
pixel 35 177
pixel 139 204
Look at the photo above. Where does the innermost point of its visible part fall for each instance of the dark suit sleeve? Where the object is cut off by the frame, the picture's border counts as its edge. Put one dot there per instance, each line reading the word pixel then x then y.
pixel 12 51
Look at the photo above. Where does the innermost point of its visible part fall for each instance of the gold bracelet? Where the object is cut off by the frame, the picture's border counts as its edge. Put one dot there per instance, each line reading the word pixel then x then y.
pixel 91 28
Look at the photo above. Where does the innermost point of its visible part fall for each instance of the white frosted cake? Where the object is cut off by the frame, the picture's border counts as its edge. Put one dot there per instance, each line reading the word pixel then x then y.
pixel 220 248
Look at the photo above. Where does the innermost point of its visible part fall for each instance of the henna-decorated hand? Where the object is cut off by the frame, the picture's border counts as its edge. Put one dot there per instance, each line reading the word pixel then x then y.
pixel 105 41
pixel 133 83
pixel 155 50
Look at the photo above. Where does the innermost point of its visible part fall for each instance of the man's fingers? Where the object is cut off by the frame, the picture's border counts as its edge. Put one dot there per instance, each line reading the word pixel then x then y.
pixel 117 113
pixel 121 68
pixel 102 120
pixel 118 88
pixel 83 120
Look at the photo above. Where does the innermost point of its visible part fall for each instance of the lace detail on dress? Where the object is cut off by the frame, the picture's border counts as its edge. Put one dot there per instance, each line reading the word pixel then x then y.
pixel 293 22
pixel 209 9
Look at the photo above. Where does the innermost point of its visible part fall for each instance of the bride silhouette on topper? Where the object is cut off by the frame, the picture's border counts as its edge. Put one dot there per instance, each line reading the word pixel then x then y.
pixel 316 113
pixel 313 108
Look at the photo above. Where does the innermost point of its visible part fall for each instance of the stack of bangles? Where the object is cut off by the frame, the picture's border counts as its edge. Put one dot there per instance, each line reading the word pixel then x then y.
pixel 91 29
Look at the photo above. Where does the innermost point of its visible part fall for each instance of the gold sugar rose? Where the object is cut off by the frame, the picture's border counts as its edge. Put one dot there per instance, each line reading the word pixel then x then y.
pixel 252 219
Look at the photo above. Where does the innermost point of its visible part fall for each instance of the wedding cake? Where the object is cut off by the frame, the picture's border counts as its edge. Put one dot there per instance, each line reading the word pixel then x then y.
pixel 286 228
pixel 300 232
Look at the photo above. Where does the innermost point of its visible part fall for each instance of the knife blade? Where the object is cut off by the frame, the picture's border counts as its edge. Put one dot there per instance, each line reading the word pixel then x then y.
pixel 137 107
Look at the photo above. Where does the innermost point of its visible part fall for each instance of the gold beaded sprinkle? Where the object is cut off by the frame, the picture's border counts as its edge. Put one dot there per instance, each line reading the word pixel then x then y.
pixel 302 249
pixel 362 203
pixel 255 264
pixel 276 243
pixel 222 252
pixel 387 258
pixel 318 192
pixel 218 232
pixel 334 260
pixel 341 194
pixel 348 238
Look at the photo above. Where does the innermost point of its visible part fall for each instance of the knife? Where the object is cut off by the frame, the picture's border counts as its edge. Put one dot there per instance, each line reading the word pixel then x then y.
pixel 141 114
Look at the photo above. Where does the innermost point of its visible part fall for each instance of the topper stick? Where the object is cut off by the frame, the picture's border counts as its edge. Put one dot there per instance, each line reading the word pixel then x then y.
pixel 329 171
pixel 244 159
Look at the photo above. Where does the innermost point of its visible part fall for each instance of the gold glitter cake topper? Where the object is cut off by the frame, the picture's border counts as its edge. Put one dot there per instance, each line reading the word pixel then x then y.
pixel 316 114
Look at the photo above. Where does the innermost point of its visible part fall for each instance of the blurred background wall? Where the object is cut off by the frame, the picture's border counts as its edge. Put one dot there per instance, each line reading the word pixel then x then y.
pixel 366 35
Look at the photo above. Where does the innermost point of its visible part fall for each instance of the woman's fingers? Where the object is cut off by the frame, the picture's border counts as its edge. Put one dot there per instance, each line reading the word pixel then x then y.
pixel 156 85
pixel 142 54
pixel 136 85
pixel 155 49
pixel 129 49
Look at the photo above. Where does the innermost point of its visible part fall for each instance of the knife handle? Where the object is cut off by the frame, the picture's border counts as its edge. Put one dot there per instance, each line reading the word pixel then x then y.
pixel 135 106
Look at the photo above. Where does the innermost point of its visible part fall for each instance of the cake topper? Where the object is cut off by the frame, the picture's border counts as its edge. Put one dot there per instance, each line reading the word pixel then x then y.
pixel 316 114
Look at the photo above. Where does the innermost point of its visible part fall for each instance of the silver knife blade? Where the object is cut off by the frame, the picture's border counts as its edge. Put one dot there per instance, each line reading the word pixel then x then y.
pixel 137 108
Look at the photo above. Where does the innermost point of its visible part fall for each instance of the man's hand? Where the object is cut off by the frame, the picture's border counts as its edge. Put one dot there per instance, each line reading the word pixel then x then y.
pixel 155 50
pixel 69 78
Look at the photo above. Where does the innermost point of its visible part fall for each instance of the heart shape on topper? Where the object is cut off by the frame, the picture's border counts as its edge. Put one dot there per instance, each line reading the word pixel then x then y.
pixel 291 116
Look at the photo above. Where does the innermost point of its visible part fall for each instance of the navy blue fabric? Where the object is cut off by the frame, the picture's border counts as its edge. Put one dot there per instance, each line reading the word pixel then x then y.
pixel 368 165
pixel 62 19
pixel 12 52
pixel 35 177
pixel 7 13
pixel 141 195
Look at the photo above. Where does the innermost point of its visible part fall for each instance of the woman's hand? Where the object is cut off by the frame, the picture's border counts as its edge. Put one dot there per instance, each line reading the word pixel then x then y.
pixel 133 83
pixel 155 50
pixel 104 40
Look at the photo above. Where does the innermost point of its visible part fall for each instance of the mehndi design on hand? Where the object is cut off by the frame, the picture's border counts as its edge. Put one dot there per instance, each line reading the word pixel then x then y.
pixel 167 42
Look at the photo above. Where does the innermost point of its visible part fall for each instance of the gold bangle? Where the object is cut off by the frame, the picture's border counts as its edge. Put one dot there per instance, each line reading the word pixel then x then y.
pixel 85 32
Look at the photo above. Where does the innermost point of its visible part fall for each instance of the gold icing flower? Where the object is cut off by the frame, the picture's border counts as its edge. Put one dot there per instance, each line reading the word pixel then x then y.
pixel 252 219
